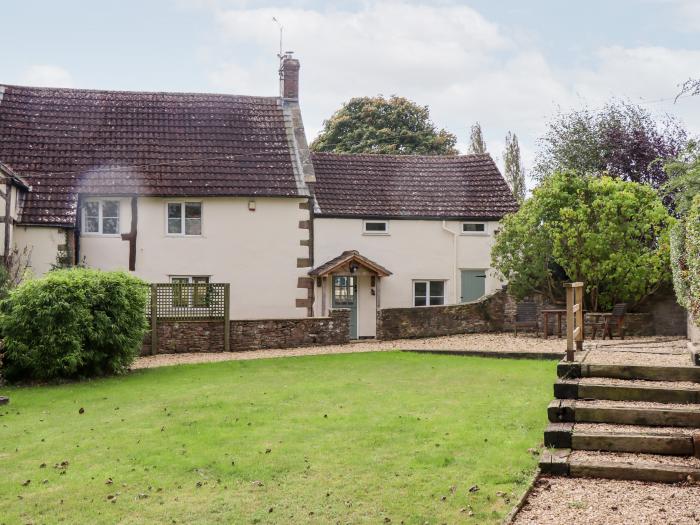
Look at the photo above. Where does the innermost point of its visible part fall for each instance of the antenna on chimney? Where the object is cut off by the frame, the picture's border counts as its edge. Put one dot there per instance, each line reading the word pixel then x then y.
pixel 274 19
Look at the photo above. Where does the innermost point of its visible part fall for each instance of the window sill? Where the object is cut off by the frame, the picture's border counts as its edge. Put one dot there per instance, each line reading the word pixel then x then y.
pixel 475 234
pixel 102 235
pixel 182 236
pixel 372 234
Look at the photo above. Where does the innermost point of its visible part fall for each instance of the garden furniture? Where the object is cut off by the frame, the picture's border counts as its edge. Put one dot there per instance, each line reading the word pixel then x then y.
pixel 606 321
pixel 526 317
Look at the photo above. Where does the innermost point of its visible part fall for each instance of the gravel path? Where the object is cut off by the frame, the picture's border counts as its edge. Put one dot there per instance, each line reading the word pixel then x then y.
pixel 609 502
pixel 612 357
pixel 605 403
pixel 639 383
pixel 633 459
pixel 477 342
pixel 634 429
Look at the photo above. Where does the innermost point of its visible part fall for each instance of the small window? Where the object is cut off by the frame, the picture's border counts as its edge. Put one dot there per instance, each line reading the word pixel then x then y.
pixel 473 227
pixel 428 293
pixel 375 227
pixel 190 296
pixel 184 218
pixel 101 217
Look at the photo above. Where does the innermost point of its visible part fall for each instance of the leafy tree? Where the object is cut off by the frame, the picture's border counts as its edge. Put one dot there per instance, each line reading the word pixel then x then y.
pixel 683 179
pixel 392 125
pixel 622 140
pixel 477 144
pixel 610 234
pixel 513 167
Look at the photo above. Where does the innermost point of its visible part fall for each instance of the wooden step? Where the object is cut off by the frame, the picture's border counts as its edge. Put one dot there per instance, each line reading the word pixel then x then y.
pixel 611 465
pixel 623 413
pixel 628 390
pixel 566 370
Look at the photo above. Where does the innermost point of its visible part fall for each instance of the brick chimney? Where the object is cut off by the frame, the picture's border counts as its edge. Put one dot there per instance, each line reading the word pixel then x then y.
pixel 289 77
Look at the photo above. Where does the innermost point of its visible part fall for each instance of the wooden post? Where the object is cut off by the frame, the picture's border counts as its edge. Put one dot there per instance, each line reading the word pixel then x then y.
pixel 154 319
pixel 579 318
pixel 227 321
pixel 323 297
pixel 574 319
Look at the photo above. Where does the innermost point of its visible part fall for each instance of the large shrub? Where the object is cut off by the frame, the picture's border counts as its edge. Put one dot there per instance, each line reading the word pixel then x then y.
pixel 685 259
pixel 73 323
pixel 610 234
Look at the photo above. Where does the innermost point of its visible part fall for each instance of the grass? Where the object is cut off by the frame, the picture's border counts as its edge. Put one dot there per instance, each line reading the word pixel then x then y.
pixel 355 438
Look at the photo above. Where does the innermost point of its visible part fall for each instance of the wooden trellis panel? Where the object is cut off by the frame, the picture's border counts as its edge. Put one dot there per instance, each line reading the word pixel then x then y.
pixel 187 302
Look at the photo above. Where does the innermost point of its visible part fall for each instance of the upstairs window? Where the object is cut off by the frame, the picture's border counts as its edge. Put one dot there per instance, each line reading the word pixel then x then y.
pixel 375 227
pixel 101 217
pixel 428 293
pixel 473 228
pixel 184 218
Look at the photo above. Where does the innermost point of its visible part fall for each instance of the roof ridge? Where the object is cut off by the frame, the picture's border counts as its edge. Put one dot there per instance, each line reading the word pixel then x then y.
pixel 402 157
pixel 135 92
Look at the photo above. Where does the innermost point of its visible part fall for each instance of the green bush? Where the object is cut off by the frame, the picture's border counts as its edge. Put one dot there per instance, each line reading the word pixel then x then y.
pixel 73 323
pixel 610 234
pixel 685 259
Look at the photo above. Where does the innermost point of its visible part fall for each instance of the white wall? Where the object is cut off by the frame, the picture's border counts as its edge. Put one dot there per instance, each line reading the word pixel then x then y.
pixel 43 242
pixel 255 251
pixel 413 250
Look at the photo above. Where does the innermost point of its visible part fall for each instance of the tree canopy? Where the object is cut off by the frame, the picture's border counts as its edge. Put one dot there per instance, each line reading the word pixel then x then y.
pixel 392 125
pixel 514 172
pixel 477 144
pixel 610 234
pixel 622 140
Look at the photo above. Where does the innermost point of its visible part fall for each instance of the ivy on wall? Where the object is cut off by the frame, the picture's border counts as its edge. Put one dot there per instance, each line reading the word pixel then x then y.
pixel 685 260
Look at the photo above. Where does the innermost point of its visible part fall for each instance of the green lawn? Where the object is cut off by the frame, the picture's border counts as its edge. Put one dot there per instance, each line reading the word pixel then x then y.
pixel 354 438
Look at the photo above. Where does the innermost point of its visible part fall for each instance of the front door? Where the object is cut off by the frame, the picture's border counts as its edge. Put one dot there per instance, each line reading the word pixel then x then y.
pixel 473 285
pixel 345 296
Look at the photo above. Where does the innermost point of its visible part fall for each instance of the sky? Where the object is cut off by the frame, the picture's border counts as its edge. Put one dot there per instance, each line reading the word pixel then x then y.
pixel 512 65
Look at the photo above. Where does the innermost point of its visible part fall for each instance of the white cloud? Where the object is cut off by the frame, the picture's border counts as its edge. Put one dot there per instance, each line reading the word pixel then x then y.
pixel 447 56
pixel 46 75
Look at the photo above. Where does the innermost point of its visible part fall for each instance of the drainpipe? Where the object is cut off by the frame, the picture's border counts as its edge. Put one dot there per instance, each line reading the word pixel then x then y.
pixel 454 255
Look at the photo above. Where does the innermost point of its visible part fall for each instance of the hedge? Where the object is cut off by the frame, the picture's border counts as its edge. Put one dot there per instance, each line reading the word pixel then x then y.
pixel 685 260
pixel 73 323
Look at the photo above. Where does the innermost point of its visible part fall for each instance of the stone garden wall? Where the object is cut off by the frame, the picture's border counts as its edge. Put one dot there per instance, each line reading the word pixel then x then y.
pixel 208 336
pixel 485 315
pixel 658 315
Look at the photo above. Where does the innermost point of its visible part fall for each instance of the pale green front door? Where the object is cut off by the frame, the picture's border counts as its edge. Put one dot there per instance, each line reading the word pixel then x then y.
pixel 345 296
pixel 473 285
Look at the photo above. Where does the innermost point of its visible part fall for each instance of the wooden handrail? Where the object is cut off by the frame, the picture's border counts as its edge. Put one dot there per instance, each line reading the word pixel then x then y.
pixel 574 319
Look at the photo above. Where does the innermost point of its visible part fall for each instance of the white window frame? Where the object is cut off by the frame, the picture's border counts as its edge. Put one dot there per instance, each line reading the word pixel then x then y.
pixel 100 217
pixel 427 291
pixel 371 232
pixel 182 204
pixel 485 232
pixel 190 298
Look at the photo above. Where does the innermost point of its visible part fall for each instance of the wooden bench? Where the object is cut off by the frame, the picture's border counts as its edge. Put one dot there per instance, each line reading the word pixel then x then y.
pixel 526 317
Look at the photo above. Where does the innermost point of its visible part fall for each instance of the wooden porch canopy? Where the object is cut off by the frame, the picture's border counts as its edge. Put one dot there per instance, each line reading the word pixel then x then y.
pixel 347 258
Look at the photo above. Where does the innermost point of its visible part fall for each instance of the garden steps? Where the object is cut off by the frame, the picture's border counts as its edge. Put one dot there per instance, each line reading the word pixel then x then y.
pixel 620 465
pixel 625 414
pixel 628 390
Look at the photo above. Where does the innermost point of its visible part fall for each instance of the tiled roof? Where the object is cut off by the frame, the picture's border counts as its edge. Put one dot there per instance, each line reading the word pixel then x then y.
pixel 464 187
pixel 345 258
pixel 67 141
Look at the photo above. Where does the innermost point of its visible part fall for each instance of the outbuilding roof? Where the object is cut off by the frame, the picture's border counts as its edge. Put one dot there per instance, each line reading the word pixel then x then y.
pixel 404 186
pixel 64 142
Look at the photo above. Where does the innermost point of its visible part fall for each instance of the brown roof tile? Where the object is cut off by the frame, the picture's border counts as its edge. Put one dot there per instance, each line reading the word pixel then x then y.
pixel 395 186
pixel 66 141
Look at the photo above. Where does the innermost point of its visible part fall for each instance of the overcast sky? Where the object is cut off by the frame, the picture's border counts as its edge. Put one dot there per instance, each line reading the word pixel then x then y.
pixel 510 64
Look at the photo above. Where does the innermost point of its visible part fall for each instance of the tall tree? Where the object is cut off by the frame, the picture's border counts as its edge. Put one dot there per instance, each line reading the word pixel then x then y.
pixel 392 125
pixel 477 143
pixel 610 234
pixel 622 140
pixel 513 167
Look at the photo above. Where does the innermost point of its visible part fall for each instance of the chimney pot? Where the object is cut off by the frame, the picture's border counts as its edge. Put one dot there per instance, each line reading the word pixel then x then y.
pixel 289 77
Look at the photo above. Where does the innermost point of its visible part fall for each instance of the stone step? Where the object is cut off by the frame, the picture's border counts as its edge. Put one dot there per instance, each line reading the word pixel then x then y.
pixel 619 465
pixel 575 370
pixel 628 390
pixel 624 438
pixel 624 413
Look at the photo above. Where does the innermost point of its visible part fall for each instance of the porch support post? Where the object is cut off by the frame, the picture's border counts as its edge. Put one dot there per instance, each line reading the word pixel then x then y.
pixel 323 297
pixel 379 287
